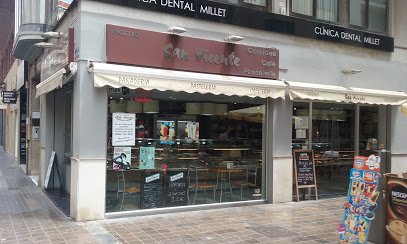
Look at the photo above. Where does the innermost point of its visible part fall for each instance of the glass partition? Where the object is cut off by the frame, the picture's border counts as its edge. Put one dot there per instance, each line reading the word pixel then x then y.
pixel 170 149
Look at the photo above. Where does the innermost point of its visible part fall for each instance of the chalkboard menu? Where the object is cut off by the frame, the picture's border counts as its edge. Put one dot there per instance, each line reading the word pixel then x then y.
pixel 304 167
pixel 304 170
pixel 177 188
pixel 151 190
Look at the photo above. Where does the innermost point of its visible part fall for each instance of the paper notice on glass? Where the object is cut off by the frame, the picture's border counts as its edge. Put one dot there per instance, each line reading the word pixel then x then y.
pixel 123 129
pixel 121 158
pixel 147 158
pixel 301 122
pixel 300 134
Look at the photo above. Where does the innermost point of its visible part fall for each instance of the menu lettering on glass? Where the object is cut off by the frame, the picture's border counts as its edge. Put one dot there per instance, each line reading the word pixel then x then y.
pixel 177 188
pixel 123 129
pixel 151 190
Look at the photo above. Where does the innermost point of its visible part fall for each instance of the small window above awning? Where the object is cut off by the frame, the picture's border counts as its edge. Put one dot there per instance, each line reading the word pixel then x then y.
pixel 298 90
pixel 159 79
pixel 51 83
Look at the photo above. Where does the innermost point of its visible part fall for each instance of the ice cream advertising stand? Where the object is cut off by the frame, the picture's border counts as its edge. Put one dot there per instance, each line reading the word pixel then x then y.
pixel 376 205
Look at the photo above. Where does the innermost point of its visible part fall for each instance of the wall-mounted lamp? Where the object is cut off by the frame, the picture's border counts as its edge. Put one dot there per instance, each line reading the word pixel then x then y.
pixel 176 30
pixel 52 34
pixel 233 38
pixel 43 45
pixel 350 71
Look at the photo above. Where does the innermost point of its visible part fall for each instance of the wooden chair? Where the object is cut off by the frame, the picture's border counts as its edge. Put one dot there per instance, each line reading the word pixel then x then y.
pixel 246 183
pixel 198 180
pixel 123 189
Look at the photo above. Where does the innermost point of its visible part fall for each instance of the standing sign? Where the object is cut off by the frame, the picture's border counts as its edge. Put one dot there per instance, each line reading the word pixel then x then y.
pixel 9 97
pixel 177 188
pixel 123 129
pixel 151 190
pixel 361 201
pixel 304 171
pixel 396 210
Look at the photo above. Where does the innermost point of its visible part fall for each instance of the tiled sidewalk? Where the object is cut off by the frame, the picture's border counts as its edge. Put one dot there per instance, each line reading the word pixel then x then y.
pixel 28 216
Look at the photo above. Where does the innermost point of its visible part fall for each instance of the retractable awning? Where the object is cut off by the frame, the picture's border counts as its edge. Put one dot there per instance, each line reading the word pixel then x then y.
pixel 159 79
pixel 51 83
pixel 298 90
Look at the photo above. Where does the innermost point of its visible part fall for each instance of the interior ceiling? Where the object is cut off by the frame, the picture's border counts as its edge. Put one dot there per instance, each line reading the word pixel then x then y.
pixel 6 23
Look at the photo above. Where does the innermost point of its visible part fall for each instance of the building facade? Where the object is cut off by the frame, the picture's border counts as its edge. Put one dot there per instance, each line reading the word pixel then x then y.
pixel 161 104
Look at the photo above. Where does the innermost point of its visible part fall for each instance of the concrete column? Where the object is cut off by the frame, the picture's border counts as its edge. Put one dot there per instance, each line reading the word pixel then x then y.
pixel 88 164
pixel 282 164
pixel 398 141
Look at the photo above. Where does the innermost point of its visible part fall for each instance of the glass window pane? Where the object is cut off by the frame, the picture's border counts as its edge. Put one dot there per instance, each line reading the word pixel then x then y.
pixel 333 143
pixel 327 10
pixel 368 129
pixel 300 128
pixel 256 2
pixel 197 137
pixel 302 7
pixel 357 11
pixel 229 1
pixel 377 15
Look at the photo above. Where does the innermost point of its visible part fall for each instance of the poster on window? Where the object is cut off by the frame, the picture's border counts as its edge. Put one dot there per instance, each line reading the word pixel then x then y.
pixel 167 131
pixel 396 210
pixel 361 201
pixel 300 122
pixel 147 158
pixel 122 158
pixel 123 129
pixel 188 130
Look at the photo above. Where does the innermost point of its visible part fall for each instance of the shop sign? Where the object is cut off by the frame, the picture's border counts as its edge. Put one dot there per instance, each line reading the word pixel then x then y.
pixel 9 97
pixel 396 210
pixel 160 50
pixel 226 13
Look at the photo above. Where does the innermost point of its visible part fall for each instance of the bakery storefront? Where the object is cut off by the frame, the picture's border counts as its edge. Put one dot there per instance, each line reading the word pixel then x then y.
pixel 186 119
pixel 339 123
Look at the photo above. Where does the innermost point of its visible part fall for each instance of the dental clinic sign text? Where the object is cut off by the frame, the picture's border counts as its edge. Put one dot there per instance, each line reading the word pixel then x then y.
pixel 131 46
pixel 343 35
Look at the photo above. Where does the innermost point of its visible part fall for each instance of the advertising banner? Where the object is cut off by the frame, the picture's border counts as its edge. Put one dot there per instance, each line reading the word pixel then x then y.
pixel 396 210
pixel 361 201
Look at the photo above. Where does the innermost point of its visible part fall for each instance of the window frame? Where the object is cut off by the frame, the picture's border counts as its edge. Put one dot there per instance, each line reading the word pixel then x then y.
pixel 314 12
pixel 367 28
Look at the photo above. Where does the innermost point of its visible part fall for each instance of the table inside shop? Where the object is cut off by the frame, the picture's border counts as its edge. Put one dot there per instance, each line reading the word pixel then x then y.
pixel 220 178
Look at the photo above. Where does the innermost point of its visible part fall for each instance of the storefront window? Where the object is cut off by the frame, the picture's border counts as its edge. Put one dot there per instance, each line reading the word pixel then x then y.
pixel 170 149
pixel 370 14
pixel 368 129
pixel 333 140
pixel 300 126
pixel 320 9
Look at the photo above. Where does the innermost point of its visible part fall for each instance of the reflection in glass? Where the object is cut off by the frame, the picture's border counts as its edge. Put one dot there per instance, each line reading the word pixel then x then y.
pixel 187 154
pixel 377 15
pixel 327 10
pixel 357 11
pixel 368 129
pixel 302 7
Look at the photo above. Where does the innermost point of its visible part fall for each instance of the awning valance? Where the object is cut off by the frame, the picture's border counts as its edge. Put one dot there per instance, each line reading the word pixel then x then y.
pixel 159 79
pixel 51 83
pixel 320 92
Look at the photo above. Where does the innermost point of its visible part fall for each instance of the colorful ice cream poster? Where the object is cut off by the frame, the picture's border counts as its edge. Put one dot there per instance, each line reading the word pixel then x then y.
pixel 188 130
pixel 123 129
pixel 121 158
pixel 361 200
pixel 396 210
pixel 147 158
pixel 167 131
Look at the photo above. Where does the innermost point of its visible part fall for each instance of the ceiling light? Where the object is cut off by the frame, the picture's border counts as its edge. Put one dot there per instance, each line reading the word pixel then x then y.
pixel 350 71
pixel 43 45
pixel 233 38
pixel 176 30
pixel 52 34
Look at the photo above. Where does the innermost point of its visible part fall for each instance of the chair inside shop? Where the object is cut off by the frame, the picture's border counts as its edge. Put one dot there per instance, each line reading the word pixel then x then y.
pixel 200 180
pixel 249 180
